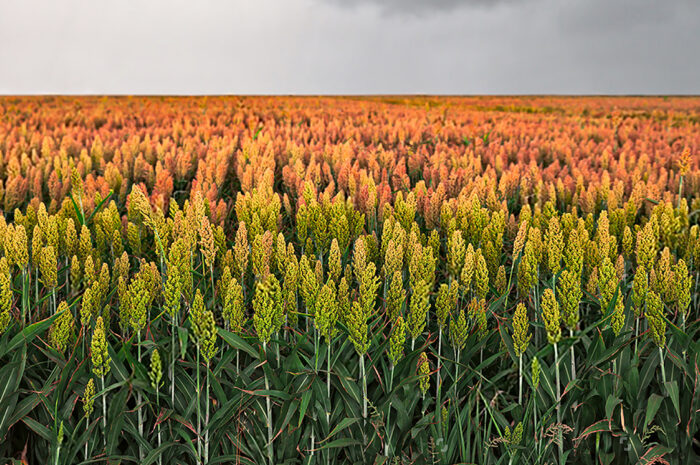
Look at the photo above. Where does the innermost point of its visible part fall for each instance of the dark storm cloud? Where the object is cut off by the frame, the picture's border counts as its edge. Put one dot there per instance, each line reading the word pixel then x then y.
pixel 350 46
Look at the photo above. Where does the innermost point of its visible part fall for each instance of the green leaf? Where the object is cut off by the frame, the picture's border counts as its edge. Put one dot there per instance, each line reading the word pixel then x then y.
pixel 344 423
pixel 28 334
pixel 672 388
pixel 342 442
pixel 237 342
pixel 652 407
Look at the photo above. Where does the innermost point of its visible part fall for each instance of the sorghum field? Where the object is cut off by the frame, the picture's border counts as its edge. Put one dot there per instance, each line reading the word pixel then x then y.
pixel 276 280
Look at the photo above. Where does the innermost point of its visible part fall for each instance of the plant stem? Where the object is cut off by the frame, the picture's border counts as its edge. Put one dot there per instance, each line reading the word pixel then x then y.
pixel 328 385
pixel 388 413
pixel 172 363
pixel 25 296
pixel 199 417
pixel 160 458
pixel 520 379
pixel 364 395
pixel 104 412
pixel 559 433
pixel 87 428
pixel 270 450
pixel 439 378
pixel 206 419
pixel 663 369
pixel 138 396
pixel 573 356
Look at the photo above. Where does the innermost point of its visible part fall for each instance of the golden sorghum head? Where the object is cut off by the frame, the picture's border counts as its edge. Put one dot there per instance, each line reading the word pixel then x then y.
pixel 308 283
pixel 142 207
pixel 459 330
pixel 393 258
pixel 655 318
pixel 554 244
pixel 640 286
pixel 500 282
pixel 20 255
pixel 203 327
pixel 445 302
pixel 76 183
pixel 423 372
pixel 233 311
pixel 550 315
pixel 84 243
pixel 395 295
pixel 684 162
pixel 607 283
pixel 207 245
pixel 480 314
pixel 5 295
pixel 527 270
pixel 155 374
pixel 397 341
pixel 326 308
pixel 570 293
pixel 261 252
pixel 359 258
pixel 521 336
pixel 48 267
pixel 627 242
pixel 481 276
pixel 646 246
pixel 573 252
pixel 61 331
pixel 418 309
pixel 456 250
pixel 89 398
pixel 266 300
pixel 682 286
pixel 335 265
pixel 138 297
pixel 343 299
pixel 368 286
pixel 520 238
pixel 618 316
pixel 356 322
pixel 467 274
pixel 98 350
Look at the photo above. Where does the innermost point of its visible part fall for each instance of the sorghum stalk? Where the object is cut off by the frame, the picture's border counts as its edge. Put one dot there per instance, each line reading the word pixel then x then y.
pixel 551 318
pixel 172 362
pixel 328 383
pixel 559 433
pixel 388 413
pixel 25 296
pixel 573 359
pixel 364 387
pixel 60 442
pixel 270 450
pixel 138 395
pixel 206 418
pixel 104 411
pixel 199 406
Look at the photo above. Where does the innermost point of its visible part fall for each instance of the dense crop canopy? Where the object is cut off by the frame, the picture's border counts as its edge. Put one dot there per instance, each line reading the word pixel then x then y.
pixel 349 280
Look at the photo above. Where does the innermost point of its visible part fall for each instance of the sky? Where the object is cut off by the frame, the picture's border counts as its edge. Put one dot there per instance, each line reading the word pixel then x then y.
pixel 350 47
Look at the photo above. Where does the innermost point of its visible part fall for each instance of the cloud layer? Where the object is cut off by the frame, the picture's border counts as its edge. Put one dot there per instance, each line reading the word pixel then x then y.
pixel 354 46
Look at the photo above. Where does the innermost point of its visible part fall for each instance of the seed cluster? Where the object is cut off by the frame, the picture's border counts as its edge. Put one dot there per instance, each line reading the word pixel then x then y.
pixel 286 280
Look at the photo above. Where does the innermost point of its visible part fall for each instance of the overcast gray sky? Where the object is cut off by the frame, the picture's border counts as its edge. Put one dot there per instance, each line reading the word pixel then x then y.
pixel 349 46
